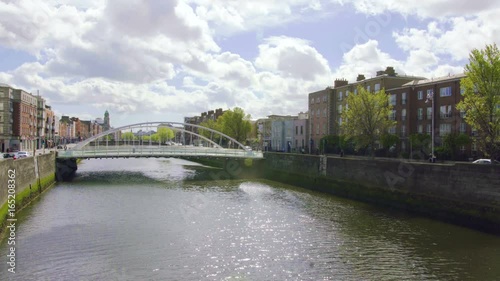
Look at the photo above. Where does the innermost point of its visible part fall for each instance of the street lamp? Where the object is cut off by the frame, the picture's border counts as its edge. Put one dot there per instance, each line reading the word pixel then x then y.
pixel 430 96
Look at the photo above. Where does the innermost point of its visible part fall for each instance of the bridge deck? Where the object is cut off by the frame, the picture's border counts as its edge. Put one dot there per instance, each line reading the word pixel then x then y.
pixel 157 151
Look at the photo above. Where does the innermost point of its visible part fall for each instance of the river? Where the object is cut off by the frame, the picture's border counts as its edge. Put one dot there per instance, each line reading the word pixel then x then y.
pixel 168 219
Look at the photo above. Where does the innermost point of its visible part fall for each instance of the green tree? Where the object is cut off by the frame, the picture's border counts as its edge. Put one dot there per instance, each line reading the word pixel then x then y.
pixel 365 117
pixel 388 141
pixel 418 142
pixel 235 123
pixel 128 136
pixel 164 134
pixel 481 102
pixel 155 138
pixel 211 124
pixel 452 143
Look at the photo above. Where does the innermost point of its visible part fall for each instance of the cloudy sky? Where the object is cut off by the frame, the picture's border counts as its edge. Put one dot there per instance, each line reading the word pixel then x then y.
pixel 161 60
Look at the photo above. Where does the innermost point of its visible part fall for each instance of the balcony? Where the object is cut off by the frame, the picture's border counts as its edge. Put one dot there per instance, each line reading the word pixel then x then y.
pixel 445 115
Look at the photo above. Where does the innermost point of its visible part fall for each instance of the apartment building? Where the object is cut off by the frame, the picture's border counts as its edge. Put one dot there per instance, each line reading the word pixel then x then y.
pixel 24 120
pixel 412 98
pixel 6 117
pixel 300 137
pixel 49 126
pixel 387 79
pixel 414 113
pixel 320 115
pixel 282 135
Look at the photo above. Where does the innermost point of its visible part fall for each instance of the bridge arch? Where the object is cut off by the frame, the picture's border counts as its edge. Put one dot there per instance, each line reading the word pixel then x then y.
pixel 83 143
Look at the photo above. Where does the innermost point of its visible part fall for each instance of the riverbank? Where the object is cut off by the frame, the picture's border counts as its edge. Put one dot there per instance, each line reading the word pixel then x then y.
pixel 27 178
pixel 461 193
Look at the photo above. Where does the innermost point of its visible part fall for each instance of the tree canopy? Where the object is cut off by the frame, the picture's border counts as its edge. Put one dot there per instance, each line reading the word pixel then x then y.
pixel 163 134
pixel 481 103
pixel 235 123
pixel 365 117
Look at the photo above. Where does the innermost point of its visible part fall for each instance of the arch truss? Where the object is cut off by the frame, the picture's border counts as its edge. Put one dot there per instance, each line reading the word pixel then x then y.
pixel 149 139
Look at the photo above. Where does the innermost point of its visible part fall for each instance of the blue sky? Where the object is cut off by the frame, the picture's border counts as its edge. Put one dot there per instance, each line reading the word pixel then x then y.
pixel 162 60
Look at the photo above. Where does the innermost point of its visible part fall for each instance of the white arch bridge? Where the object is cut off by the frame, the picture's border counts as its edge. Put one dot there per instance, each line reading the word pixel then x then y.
pixel 144 140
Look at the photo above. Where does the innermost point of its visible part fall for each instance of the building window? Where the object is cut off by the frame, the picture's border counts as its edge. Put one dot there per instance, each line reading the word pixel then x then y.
pixel 317 129
pixel 420 95
pixel 420 129
pixel 445 111
pixel 324 112
pixel 445 92
pixel 463 127
pixel 419 114
pixel 325 98
pixel 403 146
pixel 301 130
pixel 340 96
pixel 403 98
pixel 340 121
pixel 296 130
pixel 392 99
pixel 318 113
pixel 462 113
pixel 312 101
pixel 368 88
pixel 392 116
pixel 462 91
pixel 346 93
pixel 392 130
pixel 339 109
pixel 356 91
pixel 403 130
pixel 377 87
pixel 403 114
pixel 317 100
pixel 429 113
pixel 444 129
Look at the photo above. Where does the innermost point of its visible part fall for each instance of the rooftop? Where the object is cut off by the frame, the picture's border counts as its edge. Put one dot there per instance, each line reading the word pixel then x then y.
pixel 435 80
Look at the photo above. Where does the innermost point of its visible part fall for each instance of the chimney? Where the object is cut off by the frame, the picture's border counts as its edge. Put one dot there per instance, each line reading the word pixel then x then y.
pixel 380 73
pixel 360 77
pixel 390 71
pixel 339 83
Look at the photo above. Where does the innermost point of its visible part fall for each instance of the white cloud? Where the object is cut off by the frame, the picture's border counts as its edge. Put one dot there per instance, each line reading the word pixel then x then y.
pixel 424 8
pixel 227 17
pixel 454 37
pixel 291 57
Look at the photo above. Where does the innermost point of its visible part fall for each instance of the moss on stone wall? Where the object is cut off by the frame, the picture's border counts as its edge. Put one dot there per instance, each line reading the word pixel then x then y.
pixel 24 197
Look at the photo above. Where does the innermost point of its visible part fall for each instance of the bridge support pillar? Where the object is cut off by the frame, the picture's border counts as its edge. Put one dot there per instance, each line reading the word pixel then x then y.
pixel 65 169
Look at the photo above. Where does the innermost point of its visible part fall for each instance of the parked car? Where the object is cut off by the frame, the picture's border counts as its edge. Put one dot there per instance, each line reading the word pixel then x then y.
pixel 10 155
pixel 485 161
pixel 23 154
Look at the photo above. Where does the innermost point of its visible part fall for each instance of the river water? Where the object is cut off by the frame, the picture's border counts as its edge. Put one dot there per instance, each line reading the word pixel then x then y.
pixel 168 219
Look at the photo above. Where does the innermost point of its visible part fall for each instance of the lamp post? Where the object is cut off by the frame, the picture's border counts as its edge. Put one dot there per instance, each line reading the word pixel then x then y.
pixel 430 96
